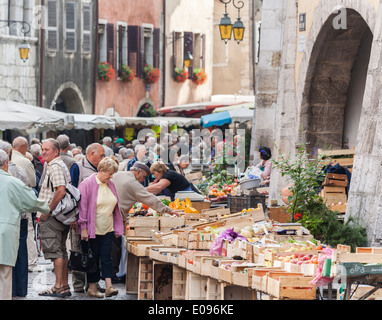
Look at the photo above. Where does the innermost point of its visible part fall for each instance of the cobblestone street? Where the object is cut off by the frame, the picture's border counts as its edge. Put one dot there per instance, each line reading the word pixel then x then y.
pixel 39 281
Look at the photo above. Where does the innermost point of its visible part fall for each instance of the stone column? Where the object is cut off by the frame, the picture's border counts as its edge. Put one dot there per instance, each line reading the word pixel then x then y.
pixel 365 196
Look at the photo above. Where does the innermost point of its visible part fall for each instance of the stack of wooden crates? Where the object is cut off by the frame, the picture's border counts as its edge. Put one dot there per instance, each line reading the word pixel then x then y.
pixel 334 185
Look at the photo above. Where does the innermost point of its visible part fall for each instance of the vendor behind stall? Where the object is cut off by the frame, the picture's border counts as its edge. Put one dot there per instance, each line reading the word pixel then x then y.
pixel 265 165
pixel 130 190
pixel 167 179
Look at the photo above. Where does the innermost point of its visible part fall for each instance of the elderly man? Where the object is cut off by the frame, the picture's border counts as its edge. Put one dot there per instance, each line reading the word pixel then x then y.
pixel 54 233
pixel 11 188
pixel 79 172
pixel 64 142
pixel 127 154
pixel 20 147
pixel 130 190
pixel 107 144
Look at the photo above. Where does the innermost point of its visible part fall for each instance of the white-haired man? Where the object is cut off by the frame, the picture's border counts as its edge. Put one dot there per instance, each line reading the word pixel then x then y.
pixel 20 148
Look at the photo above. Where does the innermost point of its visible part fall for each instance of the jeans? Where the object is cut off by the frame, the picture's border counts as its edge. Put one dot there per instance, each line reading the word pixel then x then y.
pixel 101 250
pixel 20 270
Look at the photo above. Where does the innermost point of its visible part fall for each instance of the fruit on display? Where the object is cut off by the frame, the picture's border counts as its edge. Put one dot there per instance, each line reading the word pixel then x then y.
pixel 299 258
pixel 183 205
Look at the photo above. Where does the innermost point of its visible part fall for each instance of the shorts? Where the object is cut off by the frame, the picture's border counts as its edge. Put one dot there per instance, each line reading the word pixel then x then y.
pixel 53 238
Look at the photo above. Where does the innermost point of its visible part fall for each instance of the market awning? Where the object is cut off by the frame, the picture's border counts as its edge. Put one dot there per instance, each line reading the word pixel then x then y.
pixel 32 119
pixel 199 106
pixel 162 121
pixel 240 115
pixel 248 105
pixel 92 121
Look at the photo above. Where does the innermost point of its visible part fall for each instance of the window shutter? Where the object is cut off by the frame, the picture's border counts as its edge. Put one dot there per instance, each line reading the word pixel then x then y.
pixel 52 32
pixel 141 55
pixel 120 45
pixel 156 47
pixel 110 44
pixel 86 44
pixel 70 18
pixel 133 47
pixel 203 58
pixel 189 46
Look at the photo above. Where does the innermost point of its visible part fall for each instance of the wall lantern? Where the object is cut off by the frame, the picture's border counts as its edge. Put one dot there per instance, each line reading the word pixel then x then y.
pixel 188 59
pixel 226 27
pixel 25 29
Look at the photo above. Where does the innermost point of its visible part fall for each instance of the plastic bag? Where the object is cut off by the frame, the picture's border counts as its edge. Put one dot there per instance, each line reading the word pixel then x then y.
pixel 252 173
pixel 228 234
pixel 319 280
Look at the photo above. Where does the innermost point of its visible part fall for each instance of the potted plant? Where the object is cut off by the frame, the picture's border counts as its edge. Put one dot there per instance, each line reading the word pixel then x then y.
pixel 105 71
pixel 181 75
pixel 199 77
pixel 127 73
pixel 150 74
pixel 147 110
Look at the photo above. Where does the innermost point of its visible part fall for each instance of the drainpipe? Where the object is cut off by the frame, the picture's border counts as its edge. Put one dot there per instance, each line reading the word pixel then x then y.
pixel 164 53
pixel 42 37
pixel 95 59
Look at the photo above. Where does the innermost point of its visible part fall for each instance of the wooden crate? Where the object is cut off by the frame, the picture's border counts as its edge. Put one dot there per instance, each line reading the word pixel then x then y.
pixel 371 250
pixel 168 223
pixel 207 266
pixel 214 289
pixel 196 286
pixel 340 257
pixel 285 285
pixel 344 157
pixel 179 279
pixel 194 264
pixel 335 180
pixel 161 253
pixel 242 278
pixel 145 279
pixel 196 240
pixel 140 248
pixel 215 213
pixel 132 273
pixel 201 205
pixel 278 214
pixel 259 278
pixel 226 274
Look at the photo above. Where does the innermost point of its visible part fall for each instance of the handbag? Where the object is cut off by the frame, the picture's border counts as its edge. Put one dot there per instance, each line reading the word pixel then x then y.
pixel 66 210
pixel 84 262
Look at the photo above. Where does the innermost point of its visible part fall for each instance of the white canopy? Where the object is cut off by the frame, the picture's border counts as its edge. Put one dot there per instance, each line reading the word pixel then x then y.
pixel 92 121
pixel 162 121
pixel 31 119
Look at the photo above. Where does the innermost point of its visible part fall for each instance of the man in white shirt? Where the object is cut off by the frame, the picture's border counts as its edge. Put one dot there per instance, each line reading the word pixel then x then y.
pixel 20 147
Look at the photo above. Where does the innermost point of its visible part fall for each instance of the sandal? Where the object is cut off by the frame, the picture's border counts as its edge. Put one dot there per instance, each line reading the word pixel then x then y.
pixel 65 290
pixel 52 292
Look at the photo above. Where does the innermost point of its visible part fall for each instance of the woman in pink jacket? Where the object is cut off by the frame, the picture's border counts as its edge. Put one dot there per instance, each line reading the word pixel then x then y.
pixel 99 220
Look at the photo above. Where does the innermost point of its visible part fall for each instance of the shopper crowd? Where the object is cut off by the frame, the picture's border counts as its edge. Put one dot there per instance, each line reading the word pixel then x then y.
pixel 111 178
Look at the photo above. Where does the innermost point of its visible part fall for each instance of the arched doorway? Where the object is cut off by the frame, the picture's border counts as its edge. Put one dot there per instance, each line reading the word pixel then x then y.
pixel 335 83
pixel 69 101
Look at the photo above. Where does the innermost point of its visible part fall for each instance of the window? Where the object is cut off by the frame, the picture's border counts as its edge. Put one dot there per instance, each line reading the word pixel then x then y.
pixel 199 50
pixel 86 28
pixel 70 26
pixel 102 40
pixel 52 27
pixel 121 46
pixel 148 45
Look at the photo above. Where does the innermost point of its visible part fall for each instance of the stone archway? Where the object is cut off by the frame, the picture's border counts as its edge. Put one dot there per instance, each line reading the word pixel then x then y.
pixel 68 98
pixel 335 83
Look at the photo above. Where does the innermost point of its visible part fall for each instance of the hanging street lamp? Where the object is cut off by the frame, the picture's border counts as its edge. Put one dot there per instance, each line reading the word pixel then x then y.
pixel 225 26
pixel 25 29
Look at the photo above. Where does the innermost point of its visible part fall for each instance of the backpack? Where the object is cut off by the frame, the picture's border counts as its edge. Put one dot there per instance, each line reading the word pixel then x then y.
pixel 66 210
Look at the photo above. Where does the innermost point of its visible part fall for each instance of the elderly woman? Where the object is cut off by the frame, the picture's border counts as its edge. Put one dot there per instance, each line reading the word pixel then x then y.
pixel 99 219
pixel 167 179
pixel 180 165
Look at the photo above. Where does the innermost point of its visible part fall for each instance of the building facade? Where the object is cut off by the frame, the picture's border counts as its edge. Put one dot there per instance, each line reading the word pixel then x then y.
pixel 67 64
pixel 129 33
pixel 319 83
pixel 18 79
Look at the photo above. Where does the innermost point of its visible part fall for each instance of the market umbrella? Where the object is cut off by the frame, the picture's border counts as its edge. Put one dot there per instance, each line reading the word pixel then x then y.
pixel 92 121
pixel 40 119
pixel 240 115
